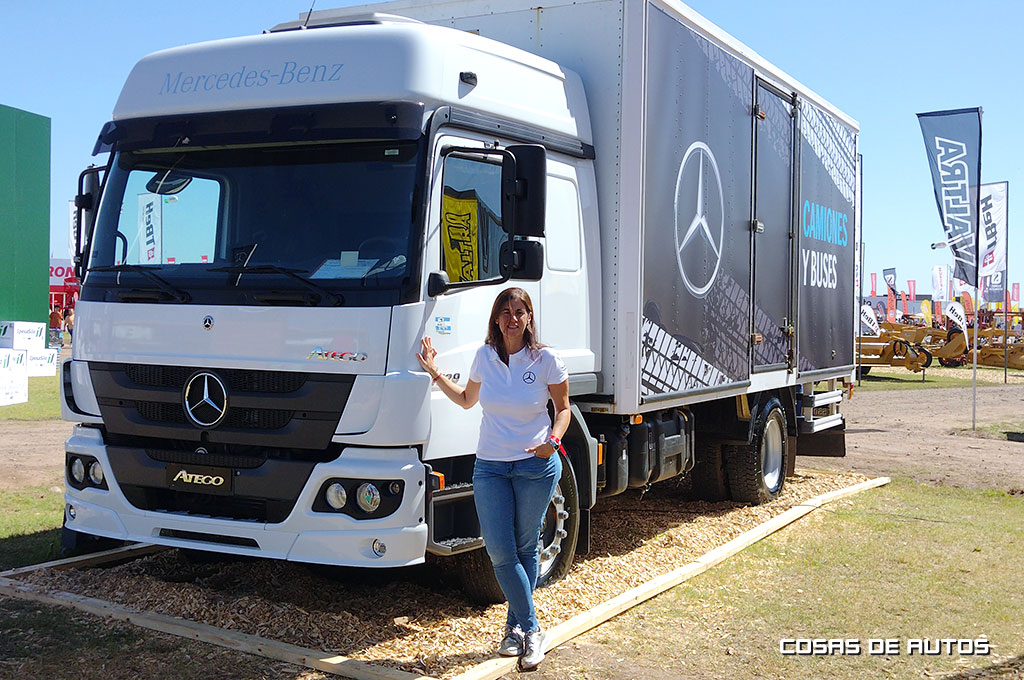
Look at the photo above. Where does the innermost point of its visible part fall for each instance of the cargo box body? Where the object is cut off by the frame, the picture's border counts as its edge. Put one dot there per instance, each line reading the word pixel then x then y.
pixel 726 191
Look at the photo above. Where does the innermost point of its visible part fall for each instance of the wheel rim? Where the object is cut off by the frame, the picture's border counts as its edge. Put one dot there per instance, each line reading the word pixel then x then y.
pixel 552 531
pixel 771 454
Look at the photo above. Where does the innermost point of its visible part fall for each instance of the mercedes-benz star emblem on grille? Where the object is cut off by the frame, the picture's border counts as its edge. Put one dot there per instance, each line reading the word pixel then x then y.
pixel 700 192
pixel 207 322
pixel 206 400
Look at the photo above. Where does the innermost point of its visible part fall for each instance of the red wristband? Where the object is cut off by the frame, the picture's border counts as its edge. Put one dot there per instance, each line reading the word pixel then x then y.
pixel 436 378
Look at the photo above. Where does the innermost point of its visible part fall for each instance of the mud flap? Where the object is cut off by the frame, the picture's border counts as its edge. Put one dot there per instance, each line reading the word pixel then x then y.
pixel 830 443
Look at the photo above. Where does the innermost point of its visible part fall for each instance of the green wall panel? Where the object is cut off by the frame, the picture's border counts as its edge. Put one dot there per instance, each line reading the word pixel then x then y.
pixel 24 215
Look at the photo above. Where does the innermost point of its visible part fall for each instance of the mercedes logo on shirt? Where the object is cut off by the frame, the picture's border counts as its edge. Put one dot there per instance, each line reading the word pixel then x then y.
pixel 205 400
pixel 700 219
pixel 529 377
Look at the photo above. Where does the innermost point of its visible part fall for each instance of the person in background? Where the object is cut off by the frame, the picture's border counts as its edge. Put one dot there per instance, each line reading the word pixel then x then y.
pixel 69 323
pixel 56 318
pixel 517 462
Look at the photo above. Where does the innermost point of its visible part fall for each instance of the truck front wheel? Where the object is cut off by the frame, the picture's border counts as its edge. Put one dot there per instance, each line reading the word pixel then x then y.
pixel 757 471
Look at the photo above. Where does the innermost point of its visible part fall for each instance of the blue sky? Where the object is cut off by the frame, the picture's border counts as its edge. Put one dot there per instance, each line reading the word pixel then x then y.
pixel 878 60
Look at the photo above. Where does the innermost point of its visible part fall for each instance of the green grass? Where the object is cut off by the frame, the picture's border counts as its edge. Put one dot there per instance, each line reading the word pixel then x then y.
pixel 905 561
pixel 43 401
pixel 30 521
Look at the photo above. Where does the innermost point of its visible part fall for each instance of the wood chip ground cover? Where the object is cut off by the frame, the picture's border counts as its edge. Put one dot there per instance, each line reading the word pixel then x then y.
pixel 416 619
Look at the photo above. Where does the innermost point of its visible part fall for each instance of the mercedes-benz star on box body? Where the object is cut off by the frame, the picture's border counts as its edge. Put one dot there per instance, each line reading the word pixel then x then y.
pixel 282 217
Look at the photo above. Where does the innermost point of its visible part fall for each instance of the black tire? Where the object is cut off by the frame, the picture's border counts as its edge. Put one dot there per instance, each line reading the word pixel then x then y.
pixel 757 471
pixel 863 371
pixel 560 530
pixel 477 573
pixel 927 356
pixel 75 543
pixel 708 474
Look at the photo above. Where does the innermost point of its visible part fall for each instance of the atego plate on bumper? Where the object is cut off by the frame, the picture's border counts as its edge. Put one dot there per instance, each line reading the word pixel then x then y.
pixel 200 479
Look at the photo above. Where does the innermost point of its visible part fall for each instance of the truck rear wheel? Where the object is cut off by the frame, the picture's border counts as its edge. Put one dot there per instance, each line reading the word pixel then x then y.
pixel 556 548
pixel 708 475
pixel 757 471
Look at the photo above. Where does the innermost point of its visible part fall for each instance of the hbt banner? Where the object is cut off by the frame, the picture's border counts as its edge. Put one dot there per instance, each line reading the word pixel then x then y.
pixel 992 239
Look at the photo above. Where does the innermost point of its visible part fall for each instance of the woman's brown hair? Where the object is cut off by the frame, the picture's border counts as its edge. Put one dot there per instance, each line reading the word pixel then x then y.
pixel 494 337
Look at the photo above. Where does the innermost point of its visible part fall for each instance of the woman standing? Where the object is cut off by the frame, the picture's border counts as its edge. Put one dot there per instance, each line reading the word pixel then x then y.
pixel 513 376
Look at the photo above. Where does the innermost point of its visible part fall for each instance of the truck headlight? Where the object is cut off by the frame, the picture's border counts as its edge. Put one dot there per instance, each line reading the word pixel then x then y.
pixel 78 470
pixel 368 497
pixel 336 496
pixel 96 473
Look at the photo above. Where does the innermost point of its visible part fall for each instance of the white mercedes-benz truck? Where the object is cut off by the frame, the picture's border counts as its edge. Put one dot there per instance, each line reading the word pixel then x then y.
pixel 280 218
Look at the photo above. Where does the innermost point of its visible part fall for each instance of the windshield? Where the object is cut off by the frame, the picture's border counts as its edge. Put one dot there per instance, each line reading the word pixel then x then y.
pixel 226 224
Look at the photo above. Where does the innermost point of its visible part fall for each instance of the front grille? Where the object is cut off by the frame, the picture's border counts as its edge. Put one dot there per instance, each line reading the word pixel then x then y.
pixel 160 412
pixel 202 505
pixel 274 409
pixel 236 380
pixel 210 459
pixel 243 418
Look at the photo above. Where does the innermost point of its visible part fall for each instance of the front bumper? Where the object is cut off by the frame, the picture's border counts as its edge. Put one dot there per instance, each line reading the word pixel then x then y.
pixel 304 536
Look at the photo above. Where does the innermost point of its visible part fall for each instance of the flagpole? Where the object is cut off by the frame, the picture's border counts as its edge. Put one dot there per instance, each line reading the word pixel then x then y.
pixel 1006 290
pixel 977 271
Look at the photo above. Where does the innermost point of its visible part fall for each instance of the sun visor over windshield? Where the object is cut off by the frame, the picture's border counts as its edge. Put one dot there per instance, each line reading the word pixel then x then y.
pixel 384 120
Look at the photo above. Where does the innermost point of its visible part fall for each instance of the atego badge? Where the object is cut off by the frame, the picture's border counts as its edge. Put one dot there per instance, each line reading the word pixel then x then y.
pixel 200 478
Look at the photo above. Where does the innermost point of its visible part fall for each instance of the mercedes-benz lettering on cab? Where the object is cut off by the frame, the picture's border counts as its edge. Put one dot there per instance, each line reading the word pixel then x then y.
pixel 277 220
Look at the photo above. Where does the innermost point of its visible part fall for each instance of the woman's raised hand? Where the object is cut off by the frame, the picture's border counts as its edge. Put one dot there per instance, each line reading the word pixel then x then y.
pixel 426 357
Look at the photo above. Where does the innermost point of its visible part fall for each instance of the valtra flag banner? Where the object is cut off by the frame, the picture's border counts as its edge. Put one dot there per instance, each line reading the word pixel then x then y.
pixel 1015 294
pixel 874 284
pixel 912 290
pixel 903 303
pixel 890 307
pixel 952 140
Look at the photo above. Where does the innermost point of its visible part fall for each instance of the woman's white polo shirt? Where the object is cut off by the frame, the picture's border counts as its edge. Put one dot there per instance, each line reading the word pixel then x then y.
pixel 514 400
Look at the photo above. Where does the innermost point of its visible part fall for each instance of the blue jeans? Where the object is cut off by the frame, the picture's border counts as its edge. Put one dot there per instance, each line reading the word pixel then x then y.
pixel 511 500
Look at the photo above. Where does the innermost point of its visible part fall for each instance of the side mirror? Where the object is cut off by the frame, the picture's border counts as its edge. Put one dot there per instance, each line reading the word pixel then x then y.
pixel 437 283
pixel 531 188
pixel 527 260
pixel 86 203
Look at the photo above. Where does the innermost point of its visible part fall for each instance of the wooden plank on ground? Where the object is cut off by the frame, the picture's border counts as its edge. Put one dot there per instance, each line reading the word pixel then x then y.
pixel 581 623
pixel 92 559
pixel 242 642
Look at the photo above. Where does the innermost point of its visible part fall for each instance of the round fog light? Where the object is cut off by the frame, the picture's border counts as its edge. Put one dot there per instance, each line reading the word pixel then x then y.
pixel 395 488
pixel 71 511
pixel 96 474
pixel 78 470
pixel 368 497
pixel 379 548
pixel 336 496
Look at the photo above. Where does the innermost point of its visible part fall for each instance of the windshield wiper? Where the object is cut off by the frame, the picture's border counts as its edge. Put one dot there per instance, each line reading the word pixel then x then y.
pixel 332 298
pixel 176 293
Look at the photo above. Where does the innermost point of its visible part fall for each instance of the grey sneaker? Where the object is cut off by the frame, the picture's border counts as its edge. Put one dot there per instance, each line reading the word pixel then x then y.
pixel 512 644
pixel 533 649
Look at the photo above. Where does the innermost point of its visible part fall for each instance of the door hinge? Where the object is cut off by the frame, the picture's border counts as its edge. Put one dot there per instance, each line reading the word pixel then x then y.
pixel 757 226
pixel 756 338
pixel 759 112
